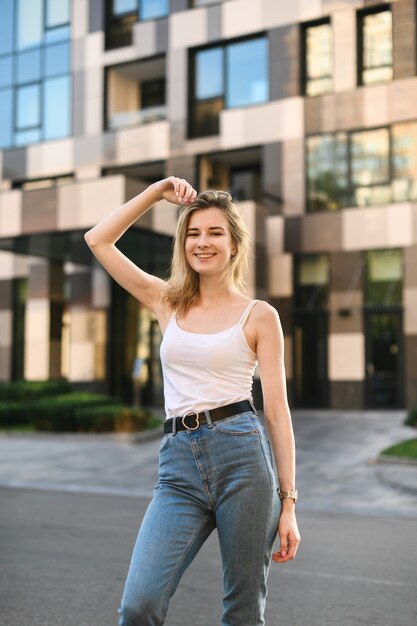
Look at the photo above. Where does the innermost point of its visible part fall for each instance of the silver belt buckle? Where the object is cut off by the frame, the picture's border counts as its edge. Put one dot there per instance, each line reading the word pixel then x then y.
pixel 196 417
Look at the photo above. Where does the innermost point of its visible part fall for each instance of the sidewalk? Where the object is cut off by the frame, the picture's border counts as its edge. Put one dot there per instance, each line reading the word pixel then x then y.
pixel 337 467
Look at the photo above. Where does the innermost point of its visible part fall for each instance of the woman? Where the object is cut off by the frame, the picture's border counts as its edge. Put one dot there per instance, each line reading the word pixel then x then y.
pixel 215 460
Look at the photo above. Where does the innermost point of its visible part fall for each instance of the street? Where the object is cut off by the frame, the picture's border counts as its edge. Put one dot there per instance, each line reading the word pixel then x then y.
pixel 70 508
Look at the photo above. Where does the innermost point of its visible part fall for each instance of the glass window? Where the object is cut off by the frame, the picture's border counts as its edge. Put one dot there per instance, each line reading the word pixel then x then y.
pixel 124 6
pixel 311 281
pixel 209 74
pixel 369 162
pixel 247 73
pixel 327 172
pixel 28 106
pixel 318 59
pixel 6 125
pixel 152 9
pixel 57 12
pixel 384 272
pixel 6 71
pixel 28 66
pixel 23 137
pixel 57 59
pixel 404 162
pixel 56 112
pixel 57 34
pixel 152 93
pixel 236 74
pixel 377 47
pixel 6 26
pixel 29 23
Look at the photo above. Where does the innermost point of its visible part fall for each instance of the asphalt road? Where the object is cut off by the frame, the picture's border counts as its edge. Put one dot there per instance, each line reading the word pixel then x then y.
pixel 70 508
pixel 64 558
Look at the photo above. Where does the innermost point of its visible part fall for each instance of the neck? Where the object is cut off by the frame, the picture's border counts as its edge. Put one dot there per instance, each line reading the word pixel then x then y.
pixel 211 292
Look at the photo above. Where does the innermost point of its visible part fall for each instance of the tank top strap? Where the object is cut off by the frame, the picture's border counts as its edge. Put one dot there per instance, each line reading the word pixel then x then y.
pixel 246 312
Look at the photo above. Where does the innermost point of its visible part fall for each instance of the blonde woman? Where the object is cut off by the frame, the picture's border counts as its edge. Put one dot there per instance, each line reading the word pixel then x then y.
pixel 215 458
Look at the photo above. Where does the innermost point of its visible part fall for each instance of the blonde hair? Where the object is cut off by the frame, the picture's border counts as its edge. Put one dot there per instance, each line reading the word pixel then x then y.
pixel 183 285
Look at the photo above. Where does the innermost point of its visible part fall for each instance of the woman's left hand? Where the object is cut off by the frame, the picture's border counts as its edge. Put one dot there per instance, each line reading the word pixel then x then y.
pixel 289 536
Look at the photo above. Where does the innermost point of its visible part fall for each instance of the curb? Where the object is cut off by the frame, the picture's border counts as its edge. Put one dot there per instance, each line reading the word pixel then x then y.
pixel 396 460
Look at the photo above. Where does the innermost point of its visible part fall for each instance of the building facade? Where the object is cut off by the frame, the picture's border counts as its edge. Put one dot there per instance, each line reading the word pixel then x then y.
pixel 306 110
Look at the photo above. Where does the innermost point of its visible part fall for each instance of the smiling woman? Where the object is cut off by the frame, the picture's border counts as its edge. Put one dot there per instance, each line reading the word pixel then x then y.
pixel 215 459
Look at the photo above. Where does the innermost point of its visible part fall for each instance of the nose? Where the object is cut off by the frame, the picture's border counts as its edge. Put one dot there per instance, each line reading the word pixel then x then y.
pixel 202 241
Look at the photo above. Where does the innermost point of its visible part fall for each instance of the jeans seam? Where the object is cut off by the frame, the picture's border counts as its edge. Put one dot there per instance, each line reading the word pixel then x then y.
pixel 271 484
pixel 181 561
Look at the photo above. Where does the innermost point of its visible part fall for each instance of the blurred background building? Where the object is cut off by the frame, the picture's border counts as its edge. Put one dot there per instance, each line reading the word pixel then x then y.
pixel 306 110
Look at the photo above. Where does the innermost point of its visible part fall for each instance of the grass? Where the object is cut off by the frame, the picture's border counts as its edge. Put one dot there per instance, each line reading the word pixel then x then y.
pixel 407 448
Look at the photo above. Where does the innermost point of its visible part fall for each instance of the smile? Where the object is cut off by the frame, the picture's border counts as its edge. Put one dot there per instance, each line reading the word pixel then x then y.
pixel 204 256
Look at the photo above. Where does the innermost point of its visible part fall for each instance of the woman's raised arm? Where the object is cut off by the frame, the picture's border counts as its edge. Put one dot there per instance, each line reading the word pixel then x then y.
pixel 102 237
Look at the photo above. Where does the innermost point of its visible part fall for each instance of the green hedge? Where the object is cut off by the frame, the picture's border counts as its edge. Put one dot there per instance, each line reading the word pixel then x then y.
pixel 111 418
pixel 30 390
pixel 411 419
pixel 58 413
pixel 14 414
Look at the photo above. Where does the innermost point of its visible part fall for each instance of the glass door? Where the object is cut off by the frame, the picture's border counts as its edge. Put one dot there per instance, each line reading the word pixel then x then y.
pixel 384 359
pixel 310 360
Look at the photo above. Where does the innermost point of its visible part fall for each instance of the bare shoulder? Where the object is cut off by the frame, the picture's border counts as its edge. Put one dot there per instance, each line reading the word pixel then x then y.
pixel 265 313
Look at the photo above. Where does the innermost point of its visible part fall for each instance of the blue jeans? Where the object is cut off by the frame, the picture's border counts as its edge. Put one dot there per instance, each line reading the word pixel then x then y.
pixel 219 476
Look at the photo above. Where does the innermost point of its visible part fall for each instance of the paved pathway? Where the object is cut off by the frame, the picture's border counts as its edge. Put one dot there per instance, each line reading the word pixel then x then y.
pixel 336 463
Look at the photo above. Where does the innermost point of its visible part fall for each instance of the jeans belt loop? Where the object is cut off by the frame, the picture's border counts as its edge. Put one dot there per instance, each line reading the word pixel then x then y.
pixel 208 418
pixel 253 407
pixel 174 426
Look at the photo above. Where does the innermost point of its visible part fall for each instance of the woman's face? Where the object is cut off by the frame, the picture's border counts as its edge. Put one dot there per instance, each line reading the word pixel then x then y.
pixel 208 242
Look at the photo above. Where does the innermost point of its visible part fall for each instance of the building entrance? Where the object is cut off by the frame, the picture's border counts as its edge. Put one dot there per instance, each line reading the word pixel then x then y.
pixel 310 359
pixel 384 358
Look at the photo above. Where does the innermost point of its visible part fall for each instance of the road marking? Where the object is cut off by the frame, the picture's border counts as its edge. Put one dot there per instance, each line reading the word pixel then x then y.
pixel 346 578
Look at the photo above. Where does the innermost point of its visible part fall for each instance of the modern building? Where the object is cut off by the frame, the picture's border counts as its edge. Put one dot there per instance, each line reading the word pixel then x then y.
pixel 306 110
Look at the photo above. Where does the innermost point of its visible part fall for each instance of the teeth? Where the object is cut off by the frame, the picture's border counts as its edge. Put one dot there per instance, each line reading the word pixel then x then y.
pixel 205 256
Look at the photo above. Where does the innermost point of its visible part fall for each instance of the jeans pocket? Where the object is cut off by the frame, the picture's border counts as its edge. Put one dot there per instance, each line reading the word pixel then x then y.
pixel 241 424
pixel 164 441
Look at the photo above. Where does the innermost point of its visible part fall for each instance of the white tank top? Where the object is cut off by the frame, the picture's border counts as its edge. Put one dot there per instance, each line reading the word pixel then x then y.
pixel 204 371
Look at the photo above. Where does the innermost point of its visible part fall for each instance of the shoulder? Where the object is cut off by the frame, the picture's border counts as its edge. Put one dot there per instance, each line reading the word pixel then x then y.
pixel 265 313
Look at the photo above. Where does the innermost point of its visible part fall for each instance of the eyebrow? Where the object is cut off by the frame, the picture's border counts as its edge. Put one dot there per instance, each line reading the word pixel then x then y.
pixel 210 228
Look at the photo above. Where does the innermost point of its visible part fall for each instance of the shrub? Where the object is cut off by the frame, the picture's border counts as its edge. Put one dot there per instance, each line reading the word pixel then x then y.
pixel 111 417
pixel 30 390
pixel 58 413
pixel 411 419
pixel 13 414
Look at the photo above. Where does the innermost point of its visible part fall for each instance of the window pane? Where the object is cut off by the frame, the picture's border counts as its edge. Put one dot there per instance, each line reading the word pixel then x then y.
pixel 57 34
pixel 23 137
pixel 29 66
pixel 30 23
pixel 57 108
pixel 384 277
pixel 57 12
pixel 6 26
pixel 6 71
pixel 57 59
pixel 124 6
pixel 151 9
pixel 28 106
pixel 404 162
pixel 377 47
pixel 247 73
pixel 319 59
pixel 209 74
pixel 6 117
pixel 370 157
pixel 312 280
pixel 327 172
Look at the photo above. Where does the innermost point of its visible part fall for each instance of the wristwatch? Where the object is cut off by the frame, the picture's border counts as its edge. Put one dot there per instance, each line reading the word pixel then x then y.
pixel 293 494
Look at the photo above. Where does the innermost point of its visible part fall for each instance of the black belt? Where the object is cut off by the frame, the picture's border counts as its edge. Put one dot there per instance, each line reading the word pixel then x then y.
pixel 193 420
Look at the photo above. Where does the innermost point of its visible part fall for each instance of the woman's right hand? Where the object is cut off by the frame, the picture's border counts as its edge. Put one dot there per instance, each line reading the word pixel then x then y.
pixel 175 190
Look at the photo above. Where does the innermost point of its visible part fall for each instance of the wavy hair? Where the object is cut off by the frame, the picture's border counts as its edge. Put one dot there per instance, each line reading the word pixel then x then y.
pixel 183 285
